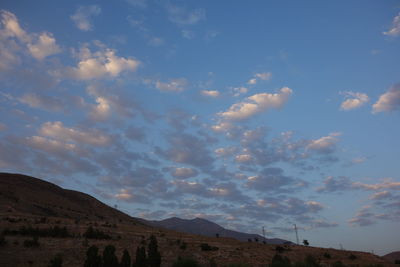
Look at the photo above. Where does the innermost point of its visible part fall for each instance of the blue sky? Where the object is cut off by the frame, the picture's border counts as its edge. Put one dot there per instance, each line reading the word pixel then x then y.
pixel 250 114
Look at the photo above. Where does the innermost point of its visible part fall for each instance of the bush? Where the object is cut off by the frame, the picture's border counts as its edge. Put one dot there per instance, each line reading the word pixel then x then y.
pixel 338 264
pixel 352 257
pixel 185 263
pixel 95 234
pixel 280 261
pixel 109 258
pixel 207 247
pixel 327 255
pixel 92 258
pixel 279 249
pixel 397 262
pixel 3 241
pixel 183 246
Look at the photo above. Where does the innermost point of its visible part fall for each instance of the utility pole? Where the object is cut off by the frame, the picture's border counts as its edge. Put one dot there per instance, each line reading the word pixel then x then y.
pixel 297 235
pixel 263 229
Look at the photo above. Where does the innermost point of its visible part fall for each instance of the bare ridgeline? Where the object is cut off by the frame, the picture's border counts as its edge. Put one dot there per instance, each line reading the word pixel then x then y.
pixel 44 225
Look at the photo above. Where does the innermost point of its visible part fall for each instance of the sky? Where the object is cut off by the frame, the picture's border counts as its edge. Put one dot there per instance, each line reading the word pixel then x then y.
pixel 250 114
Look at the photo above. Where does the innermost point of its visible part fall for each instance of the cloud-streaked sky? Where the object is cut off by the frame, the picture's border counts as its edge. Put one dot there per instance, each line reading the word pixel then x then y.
pixel 269 113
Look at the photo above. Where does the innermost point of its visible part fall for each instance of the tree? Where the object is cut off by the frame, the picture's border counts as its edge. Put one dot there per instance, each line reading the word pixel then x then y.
pixel 92 258
pixel 154 257
pixel 126 259
pixel 140 257
pixel 280 261
pixel 109 258
pixel 305 242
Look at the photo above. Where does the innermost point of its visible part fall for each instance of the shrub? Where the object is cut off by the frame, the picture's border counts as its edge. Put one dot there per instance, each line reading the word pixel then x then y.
pixel 92 258
pixel 207 247
pixel 154 257
pixel 126 259
pixel 109 258
pixel 183 246
pixel 352 257
pixel 338 264
pixel 95 234
pixel 327 255
pixel 3 241
pixel 186 262
pixel 280 261
pixel 279 249
pixel 397 262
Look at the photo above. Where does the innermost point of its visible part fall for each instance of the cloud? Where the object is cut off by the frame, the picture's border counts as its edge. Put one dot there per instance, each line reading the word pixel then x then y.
pixel 237 91
pixel 137 3
pixel 38 46
pixel 184 173
pixel 389 101
pixel 243 158
pixel 395 30
pixel 387 184
pixel 42 101
pixel 58 131
pixel 363 217
pixel 125 195
pixel 225 151
pixel 256 104
pixel 101 64
pixel 272 180
pixel 3 127
pixel 353 100
pixel 173 85
pixel 83 15
pixel 44 46
pixel 381 195
pixel 210 93
pixel 260 76
pixel 324 145
pixel 332 184
pixel 183 17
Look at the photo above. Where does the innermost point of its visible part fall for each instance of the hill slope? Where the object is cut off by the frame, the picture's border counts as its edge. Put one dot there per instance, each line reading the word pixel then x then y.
pixel 201 226
pixel 25 194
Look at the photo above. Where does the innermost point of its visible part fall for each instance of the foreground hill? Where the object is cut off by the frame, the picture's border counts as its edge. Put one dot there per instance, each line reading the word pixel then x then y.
pixel 39 220
pixel 21 193
pixel 201 226
pixel 393 257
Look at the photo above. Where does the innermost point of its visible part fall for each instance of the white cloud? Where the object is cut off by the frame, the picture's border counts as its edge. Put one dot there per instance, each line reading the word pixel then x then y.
pixel 49 145
pixel 225 151
pixel 210 93
pixel 173 85
pixel 395 30
pixel 256 104
pixel 222 127
pixel 252 81
pixel 324 144
pixel 264 76
pixel 39 45
pixel 58 131
pixel 184 172
pixel 83 15
pixel 104 63
pixel 389 101
pixel 237 91
pixel 124 194
pixel 45 46
pixel 182 17
pixel 353 100
pixel 243 158
pixel 387 184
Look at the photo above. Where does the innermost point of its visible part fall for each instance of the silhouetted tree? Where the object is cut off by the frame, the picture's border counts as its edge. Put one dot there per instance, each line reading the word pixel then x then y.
pixel 305 242
pixel 140 257
pixel 280 261
pixel 126 259
pixel 109 258
pixel 92 258
pixel 154 257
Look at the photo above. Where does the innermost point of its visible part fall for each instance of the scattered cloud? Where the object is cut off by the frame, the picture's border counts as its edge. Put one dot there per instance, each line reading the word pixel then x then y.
pixel 184 173
pixel 210 93
pixel 364 217
pixel 138 3
pixel 173 85
pixel 324 145
pixel 237 91
pixel 256 104
pixel 395 29
pixel 332 184
pixel 58 131
pixel 353 100
pixel 101 64
pixel 389 101
pixel 83 15
pixel 182 17
pixel 381 195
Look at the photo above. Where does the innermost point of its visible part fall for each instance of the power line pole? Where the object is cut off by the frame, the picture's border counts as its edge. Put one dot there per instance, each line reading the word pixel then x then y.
pixel 263 229
pixel 297 235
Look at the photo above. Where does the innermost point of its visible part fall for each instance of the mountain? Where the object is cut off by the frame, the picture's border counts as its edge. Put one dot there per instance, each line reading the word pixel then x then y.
pixel 393 256
pixel 204 227
pixel 25 194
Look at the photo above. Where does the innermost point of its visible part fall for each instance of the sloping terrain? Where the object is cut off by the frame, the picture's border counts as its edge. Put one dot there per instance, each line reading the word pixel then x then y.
pixel 393 256
pixel 39 220
pixel 201 226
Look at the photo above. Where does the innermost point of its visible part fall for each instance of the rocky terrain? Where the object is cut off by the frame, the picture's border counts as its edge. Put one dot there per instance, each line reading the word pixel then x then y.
pixel 60 219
